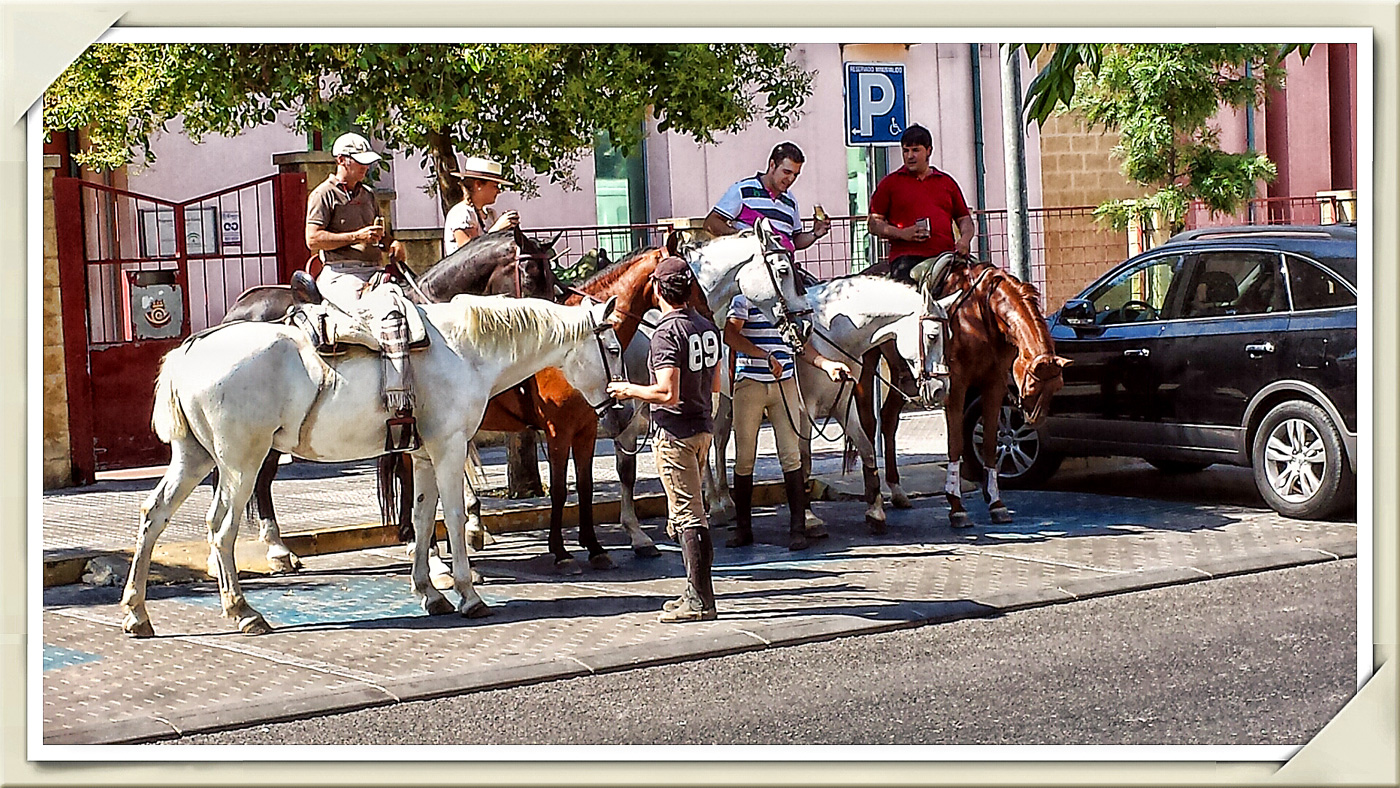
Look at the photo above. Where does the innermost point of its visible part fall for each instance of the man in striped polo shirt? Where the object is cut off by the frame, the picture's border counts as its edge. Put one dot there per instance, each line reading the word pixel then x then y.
pixel 766 194
pixel 764 384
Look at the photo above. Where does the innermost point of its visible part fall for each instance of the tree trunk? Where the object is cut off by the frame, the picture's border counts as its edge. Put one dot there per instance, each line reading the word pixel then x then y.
pixel 523 466
pixel 444 156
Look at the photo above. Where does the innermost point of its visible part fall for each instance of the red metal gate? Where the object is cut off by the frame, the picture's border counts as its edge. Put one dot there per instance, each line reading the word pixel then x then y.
pixel 137 275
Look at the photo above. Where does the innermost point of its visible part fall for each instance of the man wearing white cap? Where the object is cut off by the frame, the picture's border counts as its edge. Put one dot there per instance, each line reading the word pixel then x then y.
pixel 343 224
pixel 481 183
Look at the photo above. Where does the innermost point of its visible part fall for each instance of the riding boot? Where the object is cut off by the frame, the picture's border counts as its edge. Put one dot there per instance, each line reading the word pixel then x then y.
pixel 797 509
pixel 743 511
pixel 698 601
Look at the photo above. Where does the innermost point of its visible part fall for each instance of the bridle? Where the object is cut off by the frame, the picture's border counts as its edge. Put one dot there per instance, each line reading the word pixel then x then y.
pixel 788 321
pixel 614 376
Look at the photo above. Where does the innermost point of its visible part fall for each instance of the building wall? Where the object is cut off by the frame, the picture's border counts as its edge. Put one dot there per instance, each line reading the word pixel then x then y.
pixel 58 465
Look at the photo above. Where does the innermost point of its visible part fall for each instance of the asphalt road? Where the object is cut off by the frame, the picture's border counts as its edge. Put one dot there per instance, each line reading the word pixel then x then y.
pixel 1264 659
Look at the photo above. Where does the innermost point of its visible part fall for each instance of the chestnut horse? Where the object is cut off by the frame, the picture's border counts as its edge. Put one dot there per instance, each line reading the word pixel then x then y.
pixel 568 420
pixel 999 342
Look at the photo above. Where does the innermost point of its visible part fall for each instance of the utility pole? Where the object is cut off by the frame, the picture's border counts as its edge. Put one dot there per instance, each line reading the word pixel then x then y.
pixel 1013 135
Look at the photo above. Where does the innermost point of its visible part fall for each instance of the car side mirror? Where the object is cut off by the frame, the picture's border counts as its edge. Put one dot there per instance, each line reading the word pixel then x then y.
pixel 1077 312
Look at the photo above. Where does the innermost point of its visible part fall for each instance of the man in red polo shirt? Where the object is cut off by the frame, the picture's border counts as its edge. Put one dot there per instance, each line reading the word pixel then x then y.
pixel 917 191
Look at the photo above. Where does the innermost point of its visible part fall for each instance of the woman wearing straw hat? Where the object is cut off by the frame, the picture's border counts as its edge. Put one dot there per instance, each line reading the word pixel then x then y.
pixel 481 182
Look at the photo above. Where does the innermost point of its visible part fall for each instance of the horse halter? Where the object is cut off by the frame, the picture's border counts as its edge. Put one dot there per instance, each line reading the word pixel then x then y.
pixel 789 322
pixel 614 376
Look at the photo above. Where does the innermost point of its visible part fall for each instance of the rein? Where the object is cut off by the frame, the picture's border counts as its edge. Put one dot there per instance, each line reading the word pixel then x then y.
pixel 639 318
pixel 889 383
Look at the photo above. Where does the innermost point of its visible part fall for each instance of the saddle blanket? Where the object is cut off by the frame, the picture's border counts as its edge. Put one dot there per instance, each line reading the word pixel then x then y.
pixel 329 325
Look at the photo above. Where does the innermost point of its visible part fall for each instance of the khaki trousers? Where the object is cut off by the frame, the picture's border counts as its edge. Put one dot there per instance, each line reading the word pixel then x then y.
pixel 753 399
pixel 679 462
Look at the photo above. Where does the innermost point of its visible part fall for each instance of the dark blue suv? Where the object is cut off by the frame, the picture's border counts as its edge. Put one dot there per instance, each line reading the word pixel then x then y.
pixel 1227 344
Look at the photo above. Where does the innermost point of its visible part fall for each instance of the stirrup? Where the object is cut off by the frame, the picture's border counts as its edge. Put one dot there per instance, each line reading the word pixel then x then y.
pixel 401 434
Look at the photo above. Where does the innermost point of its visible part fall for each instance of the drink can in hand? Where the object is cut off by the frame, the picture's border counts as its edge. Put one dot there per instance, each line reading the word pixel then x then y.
pixel 923 224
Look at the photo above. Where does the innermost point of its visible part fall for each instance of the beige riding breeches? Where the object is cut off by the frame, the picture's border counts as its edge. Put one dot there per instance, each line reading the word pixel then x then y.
pixel 753 399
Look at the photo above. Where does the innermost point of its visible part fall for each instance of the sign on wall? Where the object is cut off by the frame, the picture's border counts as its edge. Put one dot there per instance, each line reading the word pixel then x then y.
pixel 876 109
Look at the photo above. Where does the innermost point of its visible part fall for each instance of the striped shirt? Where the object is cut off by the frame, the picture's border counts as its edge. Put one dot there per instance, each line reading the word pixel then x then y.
pixel 749 199
pixel 758 330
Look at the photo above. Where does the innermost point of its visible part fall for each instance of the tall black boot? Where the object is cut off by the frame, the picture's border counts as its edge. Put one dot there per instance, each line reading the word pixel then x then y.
pixel 743 511
pixel 698 601
pixel 797 509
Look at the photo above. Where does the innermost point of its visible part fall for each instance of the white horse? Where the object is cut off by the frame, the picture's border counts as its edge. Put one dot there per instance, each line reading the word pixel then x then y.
pixel 752 262
pixel 850 316
pixel 225 398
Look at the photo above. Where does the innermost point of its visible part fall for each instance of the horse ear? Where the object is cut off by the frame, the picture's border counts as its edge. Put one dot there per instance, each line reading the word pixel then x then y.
pixel 608 307
pixel 554 240
pixel 673 243
pixel 1063 362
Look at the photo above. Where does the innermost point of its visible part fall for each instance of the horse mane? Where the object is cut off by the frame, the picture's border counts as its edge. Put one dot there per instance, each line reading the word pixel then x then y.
pixel 516 327
pixel 607 276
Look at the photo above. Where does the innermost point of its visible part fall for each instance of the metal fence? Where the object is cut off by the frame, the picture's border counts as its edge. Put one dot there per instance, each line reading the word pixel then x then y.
pixel 1068 241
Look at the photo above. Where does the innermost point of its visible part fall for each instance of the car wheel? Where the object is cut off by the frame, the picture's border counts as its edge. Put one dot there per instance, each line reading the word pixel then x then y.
pixel 1178 466
pixel 1022 460
pixel 1299 462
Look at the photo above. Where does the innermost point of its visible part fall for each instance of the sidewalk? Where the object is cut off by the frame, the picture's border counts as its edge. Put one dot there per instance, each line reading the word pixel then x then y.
pixel 348 633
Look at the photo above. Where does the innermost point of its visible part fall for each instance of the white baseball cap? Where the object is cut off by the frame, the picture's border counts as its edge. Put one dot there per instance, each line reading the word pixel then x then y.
pixel 356 147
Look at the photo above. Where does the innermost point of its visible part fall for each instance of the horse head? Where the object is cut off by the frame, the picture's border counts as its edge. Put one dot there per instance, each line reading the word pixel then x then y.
pixel 534 268
pixel 772 283
pixel 933 338
pixel 590 366
pixel 1037 380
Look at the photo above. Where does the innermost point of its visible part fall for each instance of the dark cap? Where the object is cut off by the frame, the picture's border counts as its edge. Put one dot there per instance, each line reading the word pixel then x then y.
pixel 673 270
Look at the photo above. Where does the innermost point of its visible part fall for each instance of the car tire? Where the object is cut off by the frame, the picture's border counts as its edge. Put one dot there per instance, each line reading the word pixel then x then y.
pixel 1300 464
pixel 1022 459
pixel 1179 466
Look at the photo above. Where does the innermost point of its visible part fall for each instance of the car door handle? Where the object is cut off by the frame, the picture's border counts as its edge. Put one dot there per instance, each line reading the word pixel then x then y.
pixel 1138 352
pixel 1260 349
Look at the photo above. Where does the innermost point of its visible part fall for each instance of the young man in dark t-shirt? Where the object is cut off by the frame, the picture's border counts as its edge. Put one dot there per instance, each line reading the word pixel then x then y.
pixel 685 352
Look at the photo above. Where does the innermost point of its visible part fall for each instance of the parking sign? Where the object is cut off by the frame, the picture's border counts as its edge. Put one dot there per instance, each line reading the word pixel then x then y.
pixel 876 110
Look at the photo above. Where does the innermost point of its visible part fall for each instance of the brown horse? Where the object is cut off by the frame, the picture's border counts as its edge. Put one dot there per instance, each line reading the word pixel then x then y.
pixel 999 342
pixel 565 416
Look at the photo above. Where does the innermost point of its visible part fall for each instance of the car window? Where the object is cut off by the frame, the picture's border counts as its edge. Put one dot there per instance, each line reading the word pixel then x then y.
pixel 1235 283
pixel 1138 294
pixel 1314 288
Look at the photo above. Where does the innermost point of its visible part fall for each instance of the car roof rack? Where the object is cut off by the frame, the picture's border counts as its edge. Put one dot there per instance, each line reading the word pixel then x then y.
pixel 1345 230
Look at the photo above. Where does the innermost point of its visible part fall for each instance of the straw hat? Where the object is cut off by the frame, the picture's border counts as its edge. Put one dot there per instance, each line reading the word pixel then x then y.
pixel 481 168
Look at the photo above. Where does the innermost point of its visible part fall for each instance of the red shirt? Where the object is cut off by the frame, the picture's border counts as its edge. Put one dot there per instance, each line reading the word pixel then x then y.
pixel 903 199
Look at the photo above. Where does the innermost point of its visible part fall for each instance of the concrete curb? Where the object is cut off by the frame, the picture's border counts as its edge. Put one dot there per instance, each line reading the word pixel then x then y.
pixel 186 561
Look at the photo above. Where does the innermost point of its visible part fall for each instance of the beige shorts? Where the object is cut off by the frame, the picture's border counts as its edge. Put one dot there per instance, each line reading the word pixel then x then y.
pixel 752 400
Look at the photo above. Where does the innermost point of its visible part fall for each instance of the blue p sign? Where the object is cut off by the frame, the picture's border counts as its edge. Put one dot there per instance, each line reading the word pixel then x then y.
pixel 876 111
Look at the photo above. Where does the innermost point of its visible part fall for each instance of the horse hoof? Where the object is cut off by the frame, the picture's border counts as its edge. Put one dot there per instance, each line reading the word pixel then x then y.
pixel 601 561
pixel 1001 515
pixel 567 566
pixel 646 551
pixel 876 525
pixel 476 578
pixel 254 625
pixel 900 500
pixel 139 630
pixel 816 532
pixel 477 539
pixel 284 565
pixel 442 582
pixel 439 607
pixel 959 520
pixel 478 610
pixel 721 515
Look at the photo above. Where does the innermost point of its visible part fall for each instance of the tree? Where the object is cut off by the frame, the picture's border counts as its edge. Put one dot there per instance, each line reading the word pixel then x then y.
pixel 1160 98
pixel 536 106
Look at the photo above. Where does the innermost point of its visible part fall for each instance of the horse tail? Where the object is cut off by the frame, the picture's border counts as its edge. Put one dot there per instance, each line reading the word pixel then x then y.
pixel 168 416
